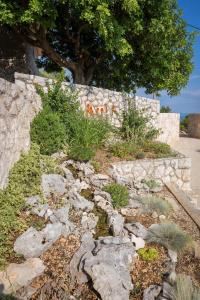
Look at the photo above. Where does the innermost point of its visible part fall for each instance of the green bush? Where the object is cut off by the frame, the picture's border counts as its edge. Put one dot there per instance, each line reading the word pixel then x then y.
pixel 169 235
pixel 151 183
pixel 119 194
pixel 48 131
pixel 136 126
pixel 63 122
pixel 148 254
pixel 184 289
pixel 24 181
pixel 140 155
pixel 123 149
pixel 184 123
pixel 88 135
pixel 165 109
pixel 152 203
pixel 159 149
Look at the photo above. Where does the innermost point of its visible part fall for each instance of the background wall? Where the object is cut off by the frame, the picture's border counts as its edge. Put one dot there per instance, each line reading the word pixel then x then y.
pixel 194 125
pixel 169 124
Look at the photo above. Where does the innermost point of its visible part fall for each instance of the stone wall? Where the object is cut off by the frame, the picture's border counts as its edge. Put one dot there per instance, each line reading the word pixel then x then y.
pixel 169 124
pixel 98 101
pixel 17 109
pixel 162 170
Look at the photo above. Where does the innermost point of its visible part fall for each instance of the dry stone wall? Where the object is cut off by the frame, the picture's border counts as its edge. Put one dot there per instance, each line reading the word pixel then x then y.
pixel 18 107
pixel 162 170
pixel 98 101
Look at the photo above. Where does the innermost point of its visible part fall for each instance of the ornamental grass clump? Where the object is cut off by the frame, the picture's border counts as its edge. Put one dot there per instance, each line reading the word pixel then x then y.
pixel 119 194
pixel 153 203
pixel 169 235
pixel 184 289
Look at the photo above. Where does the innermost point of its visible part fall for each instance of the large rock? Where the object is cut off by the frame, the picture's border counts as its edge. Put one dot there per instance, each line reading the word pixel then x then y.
pixel 86 247
pixel 89 221
pixel 100 180
pixel 33 243
pixel 152 292
pixel 116 223
pixel 79 202
pixel 53 184
pixel 19 275
pixel 108 267
pixel 137 229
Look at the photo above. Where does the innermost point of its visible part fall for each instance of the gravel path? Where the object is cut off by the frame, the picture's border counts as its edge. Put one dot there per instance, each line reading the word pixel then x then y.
pixel 191 148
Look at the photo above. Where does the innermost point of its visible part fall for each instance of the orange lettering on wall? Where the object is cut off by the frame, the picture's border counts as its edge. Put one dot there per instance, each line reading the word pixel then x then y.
pixel 90 109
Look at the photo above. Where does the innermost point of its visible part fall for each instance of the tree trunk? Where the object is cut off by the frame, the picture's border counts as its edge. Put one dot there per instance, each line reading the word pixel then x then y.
pixel 30 60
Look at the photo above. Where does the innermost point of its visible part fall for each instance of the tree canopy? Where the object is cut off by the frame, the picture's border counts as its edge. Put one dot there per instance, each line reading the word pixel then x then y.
pixel 116 44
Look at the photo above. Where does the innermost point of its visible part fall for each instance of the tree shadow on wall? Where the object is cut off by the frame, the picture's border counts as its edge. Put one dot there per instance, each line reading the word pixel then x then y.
pixel 5 297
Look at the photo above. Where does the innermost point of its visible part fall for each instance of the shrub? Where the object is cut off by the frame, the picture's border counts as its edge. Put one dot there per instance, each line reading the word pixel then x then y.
pixel 24 181
pixel 48 131
pixel 184 123
pixel 119 194
pixel 152 203
pixel 165 109
pixel 159 149
pixel 96 165
pixel 169 235
pixel 184 289
pixel 140 155
pixel 136 126
pixel 123 149
pixel 68 124
pixel 151 183
pixel 88 135
pixel 148 254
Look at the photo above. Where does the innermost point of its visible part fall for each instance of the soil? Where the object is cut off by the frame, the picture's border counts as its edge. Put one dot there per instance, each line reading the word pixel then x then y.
pixel 55 283
pixel 146 273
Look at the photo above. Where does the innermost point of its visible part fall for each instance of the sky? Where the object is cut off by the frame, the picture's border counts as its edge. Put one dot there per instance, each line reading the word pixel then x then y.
pixel 189 99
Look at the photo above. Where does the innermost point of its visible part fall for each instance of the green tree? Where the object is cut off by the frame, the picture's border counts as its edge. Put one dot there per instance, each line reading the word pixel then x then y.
pixel 116 44
pixel 165 109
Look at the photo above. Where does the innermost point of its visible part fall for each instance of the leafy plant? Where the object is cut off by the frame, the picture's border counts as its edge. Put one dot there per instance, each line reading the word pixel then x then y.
pixel 135 126
pixel 119 194
pixel 98 41
pixel 165 109
pixel 148 254
pixel 160 150
pixel 48 131
pixel 24 181
pixel 96 165
pixel 88 135
pixel 123 149
pixel 169 235
pixel 184 123
pixel 152 203
pixel 63 122
pixel 140 155
pixel 184 289
pixel 151 183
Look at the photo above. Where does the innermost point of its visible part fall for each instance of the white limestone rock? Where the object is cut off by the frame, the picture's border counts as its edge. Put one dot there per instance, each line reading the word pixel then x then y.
pixel 17 276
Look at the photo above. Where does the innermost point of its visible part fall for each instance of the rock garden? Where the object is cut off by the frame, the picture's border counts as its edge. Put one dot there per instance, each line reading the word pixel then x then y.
pixel 71 229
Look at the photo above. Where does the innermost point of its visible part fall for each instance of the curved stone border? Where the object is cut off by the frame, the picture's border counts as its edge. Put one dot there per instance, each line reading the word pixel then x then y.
pixel 163 170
